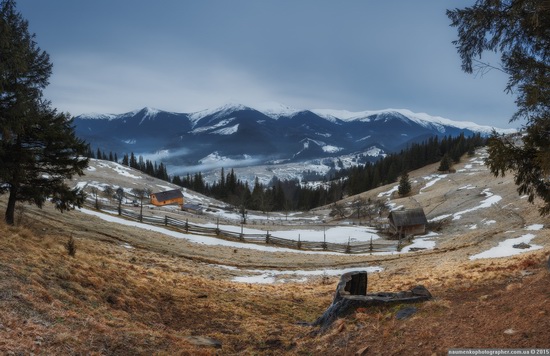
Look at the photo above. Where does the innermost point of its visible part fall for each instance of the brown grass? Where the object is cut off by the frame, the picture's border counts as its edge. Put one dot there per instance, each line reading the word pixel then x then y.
pixel 112 300
pixel 147 300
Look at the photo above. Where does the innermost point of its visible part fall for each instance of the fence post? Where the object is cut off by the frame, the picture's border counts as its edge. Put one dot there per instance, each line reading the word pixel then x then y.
pixel 217 231
pixel 370 246
pixel 299 242
pixel 186 225
pixel 324 239
pixel 267 237
pixel 241 236
pixel 348 248
pixel 165 220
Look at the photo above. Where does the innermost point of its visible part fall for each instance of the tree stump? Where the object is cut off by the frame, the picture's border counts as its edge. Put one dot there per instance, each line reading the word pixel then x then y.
pixel 351 293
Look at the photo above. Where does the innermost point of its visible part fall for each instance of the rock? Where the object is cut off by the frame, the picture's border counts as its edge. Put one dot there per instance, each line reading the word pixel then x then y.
pixel 362 351
pixel 204 341
pixel 405 313
pixel 522 245
pixel 548 263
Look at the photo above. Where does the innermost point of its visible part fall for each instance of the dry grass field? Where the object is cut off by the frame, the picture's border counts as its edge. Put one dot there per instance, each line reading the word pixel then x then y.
pixel 166 296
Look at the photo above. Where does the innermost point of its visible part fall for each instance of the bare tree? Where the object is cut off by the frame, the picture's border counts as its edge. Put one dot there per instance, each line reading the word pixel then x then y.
pixel 141 194
pixel 95 193
pixel 119 196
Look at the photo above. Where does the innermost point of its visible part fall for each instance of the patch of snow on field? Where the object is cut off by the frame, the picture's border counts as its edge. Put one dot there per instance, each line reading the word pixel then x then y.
pixel 389 192
pixel 490 201
pixel 422 242
pixel 505 248
pixel 206 240
pixel 123 171
pixel 440 217
pixel 269 276
pixel 432 179
pixel 469 186
pixel 534 227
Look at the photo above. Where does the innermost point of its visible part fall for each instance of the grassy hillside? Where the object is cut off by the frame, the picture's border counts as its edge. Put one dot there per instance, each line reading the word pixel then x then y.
pixel 109 299
pixel 133 291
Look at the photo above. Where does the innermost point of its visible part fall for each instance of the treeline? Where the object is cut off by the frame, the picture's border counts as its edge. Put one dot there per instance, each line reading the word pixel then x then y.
pixel 359 179
pixel 288 195
pixel 277 195
pixel 144 165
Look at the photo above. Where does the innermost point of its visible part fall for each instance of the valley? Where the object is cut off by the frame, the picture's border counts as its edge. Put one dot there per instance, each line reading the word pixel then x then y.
pixel 130 289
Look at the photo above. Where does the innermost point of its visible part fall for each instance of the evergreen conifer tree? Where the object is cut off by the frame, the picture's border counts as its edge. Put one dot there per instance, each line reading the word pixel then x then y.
pixel 404 187
pixel 38 146
pixel 445 163
pixel 519 31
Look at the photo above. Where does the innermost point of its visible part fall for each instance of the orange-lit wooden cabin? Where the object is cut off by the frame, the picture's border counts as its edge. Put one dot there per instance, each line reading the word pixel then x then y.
pixel 167 198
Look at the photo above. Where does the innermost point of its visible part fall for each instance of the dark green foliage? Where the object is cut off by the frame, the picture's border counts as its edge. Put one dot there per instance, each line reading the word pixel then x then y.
pixel 38 147
pixel 404 185
pixel 520 31
pixel 285 195
pixel 384 171
pixel 445 163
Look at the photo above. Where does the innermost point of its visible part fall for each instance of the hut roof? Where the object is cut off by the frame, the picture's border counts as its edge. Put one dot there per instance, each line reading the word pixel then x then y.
pixel 408 217
pixel 168 195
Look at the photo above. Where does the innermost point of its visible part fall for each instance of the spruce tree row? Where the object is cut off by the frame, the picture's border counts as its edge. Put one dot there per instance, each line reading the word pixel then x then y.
pixel 286 195
pixel 146 166
pixel 387 170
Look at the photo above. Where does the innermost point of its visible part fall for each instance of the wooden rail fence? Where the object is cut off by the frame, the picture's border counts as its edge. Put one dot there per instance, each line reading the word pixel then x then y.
pixel 267 239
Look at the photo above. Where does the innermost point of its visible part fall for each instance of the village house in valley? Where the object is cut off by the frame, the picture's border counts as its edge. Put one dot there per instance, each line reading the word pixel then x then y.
pixel 408 222
pixel 167 198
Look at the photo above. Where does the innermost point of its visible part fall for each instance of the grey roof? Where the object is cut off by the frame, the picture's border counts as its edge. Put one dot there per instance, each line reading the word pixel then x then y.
pixel 168 195
pixel 408 217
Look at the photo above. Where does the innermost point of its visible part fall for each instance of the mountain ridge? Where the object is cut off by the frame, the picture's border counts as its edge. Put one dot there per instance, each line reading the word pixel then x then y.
pixel 243 134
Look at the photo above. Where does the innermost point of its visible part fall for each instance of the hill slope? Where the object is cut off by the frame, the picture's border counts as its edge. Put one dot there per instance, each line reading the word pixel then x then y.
pixel 134 291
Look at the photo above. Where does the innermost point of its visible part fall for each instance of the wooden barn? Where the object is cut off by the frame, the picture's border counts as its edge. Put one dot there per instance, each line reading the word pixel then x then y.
pixel 168 197
pixel 408 222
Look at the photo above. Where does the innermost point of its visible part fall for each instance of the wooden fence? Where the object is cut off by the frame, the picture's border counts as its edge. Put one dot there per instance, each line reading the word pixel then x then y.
pixel 267 238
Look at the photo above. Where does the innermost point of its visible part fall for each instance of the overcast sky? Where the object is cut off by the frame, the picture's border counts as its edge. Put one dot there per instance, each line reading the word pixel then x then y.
pixel 115 56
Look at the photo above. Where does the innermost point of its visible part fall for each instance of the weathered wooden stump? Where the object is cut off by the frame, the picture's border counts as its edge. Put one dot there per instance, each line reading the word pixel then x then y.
pixel 351 293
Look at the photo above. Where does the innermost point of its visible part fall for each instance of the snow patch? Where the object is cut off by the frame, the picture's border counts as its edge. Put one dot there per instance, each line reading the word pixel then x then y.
pixel 506 248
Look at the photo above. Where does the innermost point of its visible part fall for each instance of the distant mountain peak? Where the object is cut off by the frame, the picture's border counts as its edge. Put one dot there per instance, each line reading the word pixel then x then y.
pixel 218 112
pixel 276 110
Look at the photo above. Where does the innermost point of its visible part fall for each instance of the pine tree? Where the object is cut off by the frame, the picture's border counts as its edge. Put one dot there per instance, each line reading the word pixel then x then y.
pixel 445 163
pixel 404 185
pixel 38 147
pixel 518 30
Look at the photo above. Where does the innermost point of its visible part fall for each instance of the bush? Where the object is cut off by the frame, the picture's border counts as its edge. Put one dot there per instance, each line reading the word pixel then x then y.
pixel 71 247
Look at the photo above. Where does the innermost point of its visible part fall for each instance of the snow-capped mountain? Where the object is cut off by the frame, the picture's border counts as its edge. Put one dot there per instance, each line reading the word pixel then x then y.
pixel 238 135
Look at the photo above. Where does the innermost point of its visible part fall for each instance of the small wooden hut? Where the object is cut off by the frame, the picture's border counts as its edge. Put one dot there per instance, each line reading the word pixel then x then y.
pixel 168 197
pixel 408 222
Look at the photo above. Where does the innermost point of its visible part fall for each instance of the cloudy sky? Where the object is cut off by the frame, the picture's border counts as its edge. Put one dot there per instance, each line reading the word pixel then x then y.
pixel 115 56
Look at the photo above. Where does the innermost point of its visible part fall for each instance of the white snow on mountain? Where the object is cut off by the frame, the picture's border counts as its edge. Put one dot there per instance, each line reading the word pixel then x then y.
pixel 331 149
pixel 227 130
pixel 419 118
pixel 275 110
pixel 375 152
pixel 218 112
pixel 219 125
pixel 96 116
pixel 150 113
